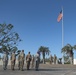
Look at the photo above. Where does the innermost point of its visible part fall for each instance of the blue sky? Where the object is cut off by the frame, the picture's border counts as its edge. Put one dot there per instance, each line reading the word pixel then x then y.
pixel 36 23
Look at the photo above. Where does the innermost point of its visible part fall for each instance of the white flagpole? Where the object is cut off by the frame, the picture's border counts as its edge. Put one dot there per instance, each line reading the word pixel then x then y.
pixel 62 37
pixel 62 30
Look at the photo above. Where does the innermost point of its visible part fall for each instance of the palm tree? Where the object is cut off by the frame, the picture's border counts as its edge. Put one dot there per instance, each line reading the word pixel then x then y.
pixel 68 49
pixel 74 47
pixel 44 51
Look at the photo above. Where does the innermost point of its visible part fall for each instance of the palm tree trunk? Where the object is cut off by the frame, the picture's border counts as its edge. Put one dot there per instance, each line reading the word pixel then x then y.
pixel 43 57
pixel 71 57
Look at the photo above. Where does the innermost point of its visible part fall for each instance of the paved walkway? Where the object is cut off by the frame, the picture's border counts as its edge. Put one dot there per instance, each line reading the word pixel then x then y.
pixel 45 69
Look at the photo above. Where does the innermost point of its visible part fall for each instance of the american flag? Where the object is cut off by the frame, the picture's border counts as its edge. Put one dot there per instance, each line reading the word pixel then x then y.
pixel 60 16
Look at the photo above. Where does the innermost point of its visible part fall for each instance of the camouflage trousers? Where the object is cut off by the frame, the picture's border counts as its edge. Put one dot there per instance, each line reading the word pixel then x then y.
pixel 32 64
pixel 28 65
pixel 12 64
pixel 5 65
pixel 55 61
pixel 21 64
pixel 36 65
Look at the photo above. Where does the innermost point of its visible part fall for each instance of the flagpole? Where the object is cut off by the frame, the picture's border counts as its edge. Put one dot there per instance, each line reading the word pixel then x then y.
pixel 62 37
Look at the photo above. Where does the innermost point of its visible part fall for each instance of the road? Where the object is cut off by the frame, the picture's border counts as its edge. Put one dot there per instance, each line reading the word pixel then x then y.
pixel 45 69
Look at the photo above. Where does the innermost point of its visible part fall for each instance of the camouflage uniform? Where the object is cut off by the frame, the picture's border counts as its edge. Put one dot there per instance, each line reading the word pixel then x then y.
pixel 55 59
pixel 28 60
pixel 5 61
pixel 32 62
pixel 22 58
pixel 13 59
pixel 37 61
pixel 19 61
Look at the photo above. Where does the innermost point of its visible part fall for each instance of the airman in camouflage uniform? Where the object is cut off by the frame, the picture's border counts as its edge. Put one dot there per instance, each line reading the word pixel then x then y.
pixel 22 58
pixel 28 60
pixel 5 60
pixel 32 61
pixel 55 59
pixel 13 59
pixel 37 61
pixel 19 61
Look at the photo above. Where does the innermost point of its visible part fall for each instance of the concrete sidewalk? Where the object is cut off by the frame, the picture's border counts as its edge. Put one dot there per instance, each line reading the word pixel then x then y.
pixel 45 69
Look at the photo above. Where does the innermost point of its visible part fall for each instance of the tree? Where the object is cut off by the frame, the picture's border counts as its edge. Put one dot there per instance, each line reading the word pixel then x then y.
pixel 68 49
pixel 44 51
pixel 66 59
pixel 8 39
pixel 74 47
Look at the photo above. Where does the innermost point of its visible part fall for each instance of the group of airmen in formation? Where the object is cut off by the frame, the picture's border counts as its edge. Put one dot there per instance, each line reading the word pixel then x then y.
pixel 53 59
pixel 35 60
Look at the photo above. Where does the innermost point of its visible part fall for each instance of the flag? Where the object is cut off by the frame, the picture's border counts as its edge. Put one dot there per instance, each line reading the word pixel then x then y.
pixel 60 16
